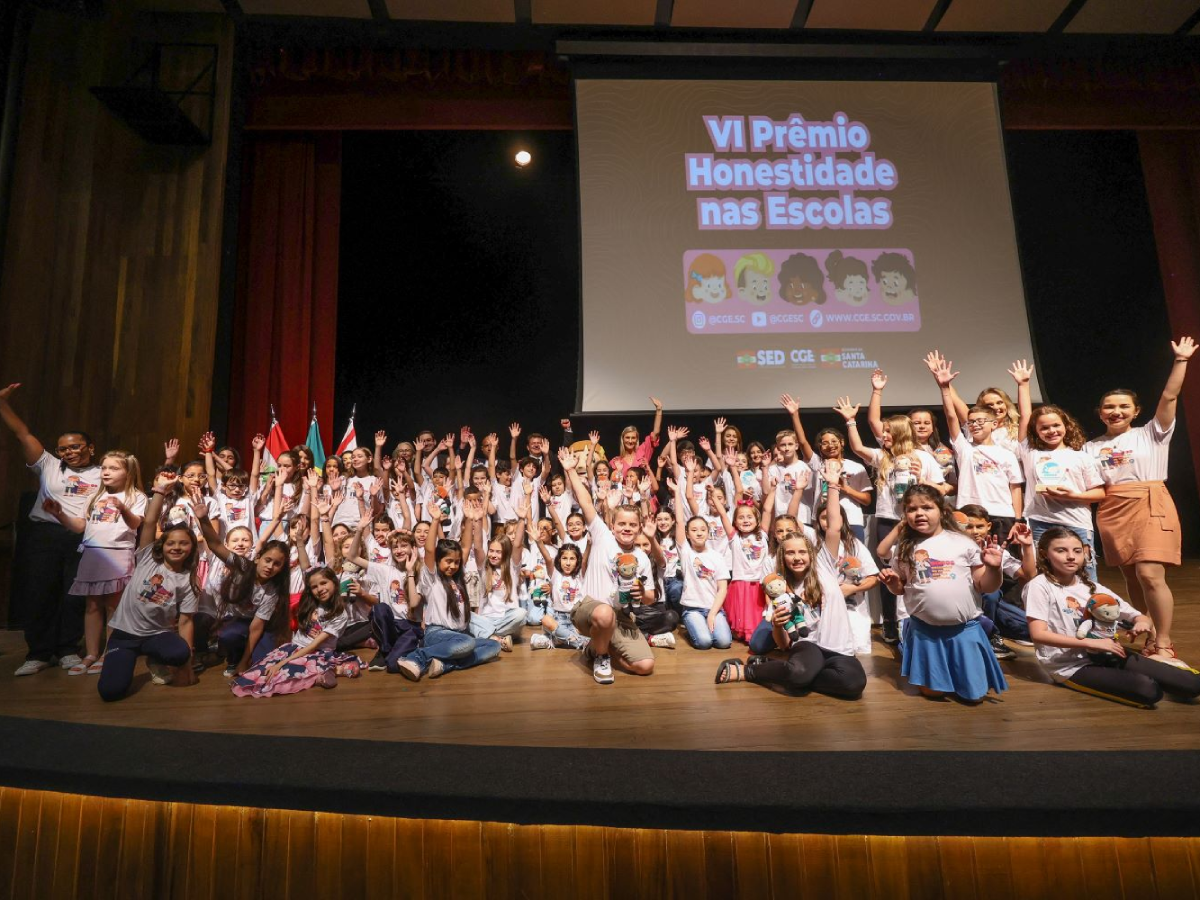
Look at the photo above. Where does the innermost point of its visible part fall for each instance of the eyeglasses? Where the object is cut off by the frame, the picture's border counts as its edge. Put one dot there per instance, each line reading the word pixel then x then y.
pixel 70 448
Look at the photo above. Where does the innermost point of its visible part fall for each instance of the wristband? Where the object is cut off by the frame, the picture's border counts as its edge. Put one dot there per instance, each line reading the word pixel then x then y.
pixel 853 422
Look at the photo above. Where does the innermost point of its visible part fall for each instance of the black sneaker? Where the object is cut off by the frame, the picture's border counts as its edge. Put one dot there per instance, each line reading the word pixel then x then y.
pixel 1001 649
pixel 378 663
pixel 891 632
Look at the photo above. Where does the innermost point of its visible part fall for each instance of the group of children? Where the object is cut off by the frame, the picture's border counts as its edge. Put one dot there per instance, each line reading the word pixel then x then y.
pixel 440 555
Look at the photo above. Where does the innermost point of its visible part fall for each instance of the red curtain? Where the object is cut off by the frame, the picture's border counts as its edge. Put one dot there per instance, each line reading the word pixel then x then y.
pixel 285 330
pixel 1171 166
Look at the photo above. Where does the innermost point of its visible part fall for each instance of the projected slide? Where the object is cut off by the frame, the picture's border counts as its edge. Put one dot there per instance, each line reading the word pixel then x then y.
pixel 744 238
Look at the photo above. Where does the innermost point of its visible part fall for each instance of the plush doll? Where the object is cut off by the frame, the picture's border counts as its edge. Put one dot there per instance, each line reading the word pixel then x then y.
pixel 1100 622
pixel 627 565
pixel 776 588
pixel 850 568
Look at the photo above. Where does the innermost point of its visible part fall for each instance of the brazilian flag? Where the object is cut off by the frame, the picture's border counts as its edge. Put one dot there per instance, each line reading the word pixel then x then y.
pixel 314 444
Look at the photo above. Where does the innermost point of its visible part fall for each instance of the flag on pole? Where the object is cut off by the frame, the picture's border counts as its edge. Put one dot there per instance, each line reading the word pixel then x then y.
pixel 276 444
pixel 314 443
pixel 349 439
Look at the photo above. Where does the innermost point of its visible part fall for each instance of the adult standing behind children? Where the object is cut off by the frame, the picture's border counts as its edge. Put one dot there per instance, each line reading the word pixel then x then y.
pixel 70 477
pixel 603 615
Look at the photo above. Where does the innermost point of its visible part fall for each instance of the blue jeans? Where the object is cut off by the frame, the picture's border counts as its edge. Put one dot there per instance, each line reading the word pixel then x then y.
pixel 510 623
pixel 535 609
pixel 673 588
pixel 565 633
pixel 232 637
pixel 1039 528
pixel 395 637
pixel 1010 619
pixel 763 639
pixel 696 623
pixel 456 649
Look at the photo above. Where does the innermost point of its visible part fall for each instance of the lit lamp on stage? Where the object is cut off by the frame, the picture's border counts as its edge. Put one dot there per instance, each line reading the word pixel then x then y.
pixel 523 158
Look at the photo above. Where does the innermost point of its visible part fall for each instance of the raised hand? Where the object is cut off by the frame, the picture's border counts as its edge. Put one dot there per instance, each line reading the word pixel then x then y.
pixel 565 424
pixel 258 442
pixel 448 441
pixel 833 471
pixel 644 486
pixel 544 493
pixel 847 409
pixel 334 482
pixel 311 481
pixel 171 448
pixel 566 457
pixel 943 372
pixel 380 438
pixel 719 424
pixel 462 435
pixel 470 438
pixel 1021 371
pixel 615 497
pixel 594 437
pixel 377 486
pixel 7 392
pixel 364 521
pixel 788 402
pixel 208 442
pixel 288 504
pixel 878 380
pixel 385 463
pixel 324 507
pixel 527 487
pixel 933 360
pixel 1021 534
pixel 337 498
pixel 1183 348
pixel 163 482
pixel 435 510
pixel 515 430
pixel 657 403
pixel 705 444
pixel 990 552
pixel 197 505
pixel 358 490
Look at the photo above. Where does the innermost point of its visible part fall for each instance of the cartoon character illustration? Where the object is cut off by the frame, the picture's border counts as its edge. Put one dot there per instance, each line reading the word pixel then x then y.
pixel 706 280
pixel 752 275
pixel 849 569
pixel 1100 622
pixel 394 592
pixel 153 591
pixel 922 570
pixel 77 487
pixel 701 570
pixel 235 512
pixel 849 277
pixel 106 513
pixel 627 565
pixel 801 280
pixel 897 278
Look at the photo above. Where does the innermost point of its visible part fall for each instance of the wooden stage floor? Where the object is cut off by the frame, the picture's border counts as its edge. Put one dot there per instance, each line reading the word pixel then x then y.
pixel 547 698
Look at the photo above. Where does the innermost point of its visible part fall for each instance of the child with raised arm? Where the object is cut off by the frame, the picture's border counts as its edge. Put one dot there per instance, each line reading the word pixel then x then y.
pixel 809 620
pixel 751 562
pixel 941 573
pixel 110 530
pixel 603 615
pixel 252 609
pixel 855 488
pixel 160 597
pixel 988 475
pixel 1061 481
pixel 500 616
pixel 448 644
pixel 705 583
pixel 1138 524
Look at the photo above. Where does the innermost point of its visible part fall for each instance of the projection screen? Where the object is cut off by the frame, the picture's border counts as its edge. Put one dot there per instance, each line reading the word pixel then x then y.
pixel 745 238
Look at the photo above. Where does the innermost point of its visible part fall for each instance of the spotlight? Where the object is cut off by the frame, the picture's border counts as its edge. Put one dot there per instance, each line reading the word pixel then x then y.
pixel 523 158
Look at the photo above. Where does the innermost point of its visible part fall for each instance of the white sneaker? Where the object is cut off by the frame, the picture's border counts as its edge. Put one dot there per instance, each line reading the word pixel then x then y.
pixel 666 641
pixel 32 667
pixel 229 671
pixel 540 642
pixel 70 660
pixel 436 668
pixel 506 643
pixel 160 673
pixel 602 669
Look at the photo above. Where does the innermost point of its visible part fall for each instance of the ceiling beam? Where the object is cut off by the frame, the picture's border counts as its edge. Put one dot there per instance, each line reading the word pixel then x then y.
pixel 663 10
pixel 935 14
pixel 1191 22
pixel 800 16
pixel 1065 17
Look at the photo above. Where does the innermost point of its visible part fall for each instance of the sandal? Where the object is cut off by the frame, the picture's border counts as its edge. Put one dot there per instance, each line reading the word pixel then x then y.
pixel 96 667
pixel 731 670
pixel 83 666
pixel 1167 655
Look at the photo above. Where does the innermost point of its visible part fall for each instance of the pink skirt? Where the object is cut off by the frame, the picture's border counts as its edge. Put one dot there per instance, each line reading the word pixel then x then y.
pixel 102 571
pixel 744 605
pixel 298 675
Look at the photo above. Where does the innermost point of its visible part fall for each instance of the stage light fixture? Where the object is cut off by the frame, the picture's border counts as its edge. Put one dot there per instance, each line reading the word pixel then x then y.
pixel 523 158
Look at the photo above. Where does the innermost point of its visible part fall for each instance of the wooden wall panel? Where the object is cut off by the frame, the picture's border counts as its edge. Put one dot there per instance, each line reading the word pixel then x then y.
pixel 66 845
pixel 112 256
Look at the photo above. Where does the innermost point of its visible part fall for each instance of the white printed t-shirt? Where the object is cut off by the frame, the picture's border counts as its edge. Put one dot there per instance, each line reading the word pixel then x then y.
pixel 72 488
pixel 940 590
pixel 1062 609
pixel 600 579
pixel 106 527
pixel 1140 454
pixel 985 473
pixel 154 598
pixel 1075 469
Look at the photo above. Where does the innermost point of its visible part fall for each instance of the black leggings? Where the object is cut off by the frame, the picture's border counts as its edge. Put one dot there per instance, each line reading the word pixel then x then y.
pixel 121 655
pixel 887 600
pixel 657 618
pixel 812 668
pixel 355 635
pixel 1137 681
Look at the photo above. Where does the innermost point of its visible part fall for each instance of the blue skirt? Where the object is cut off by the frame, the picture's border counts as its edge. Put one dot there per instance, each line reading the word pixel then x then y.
pixel 956 659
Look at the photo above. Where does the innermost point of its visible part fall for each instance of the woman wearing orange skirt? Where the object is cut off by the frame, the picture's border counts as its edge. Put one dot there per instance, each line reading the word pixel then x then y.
pixel 1138 524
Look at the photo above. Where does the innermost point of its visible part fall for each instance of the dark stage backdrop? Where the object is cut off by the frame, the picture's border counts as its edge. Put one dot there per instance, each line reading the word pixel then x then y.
pixel 459 287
